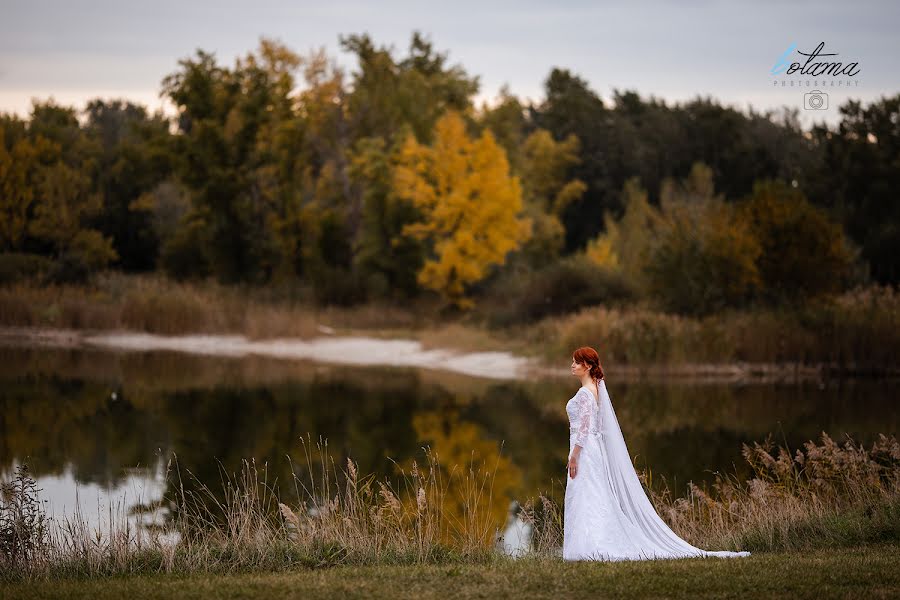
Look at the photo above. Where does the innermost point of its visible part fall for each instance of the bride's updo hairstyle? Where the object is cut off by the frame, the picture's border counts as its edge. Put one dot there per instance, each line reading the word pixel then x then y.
pixel 588 356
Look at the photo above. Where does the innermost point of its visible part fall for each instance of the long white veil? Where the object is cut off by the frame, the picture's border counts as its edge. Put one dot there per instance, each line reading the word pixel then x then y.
pixel 658 540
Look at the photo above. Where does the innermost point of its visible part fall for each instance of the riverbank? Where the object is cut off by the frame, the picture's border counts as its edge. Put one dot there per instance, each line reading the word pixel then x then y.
pixel 355 350
pixel 856 334
pixel 372 351
pixel 870 571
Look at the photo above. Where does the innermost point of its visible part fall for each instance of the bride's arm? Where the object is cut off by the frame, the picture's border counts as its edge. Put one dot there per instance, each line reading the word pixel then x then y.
pixel 584 422
pixel 584 418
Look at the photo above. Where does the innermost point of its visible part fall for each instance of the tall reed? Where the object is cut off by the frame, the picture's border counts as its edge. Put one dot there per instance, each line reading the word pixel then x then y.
pixel 822 495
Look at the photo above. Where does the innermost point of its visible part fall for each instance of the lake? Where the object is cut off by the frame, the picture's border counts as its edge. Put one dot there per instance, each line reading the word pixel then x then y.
pixel 104 424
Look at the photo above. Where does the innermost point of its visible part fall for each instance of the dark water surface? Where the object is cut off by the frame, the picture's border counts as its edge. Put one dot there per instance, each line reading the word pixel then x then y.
pixel 105 424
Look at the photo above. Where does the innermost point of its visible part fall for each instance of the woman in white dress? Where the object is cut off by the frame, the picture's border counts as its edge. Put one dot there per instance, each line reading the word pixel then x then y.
pixel 607 514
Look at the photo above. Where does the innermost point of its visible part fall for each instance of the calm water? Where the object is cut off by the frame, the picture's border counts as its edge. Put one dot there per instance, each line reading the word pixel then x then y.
pixel 104 424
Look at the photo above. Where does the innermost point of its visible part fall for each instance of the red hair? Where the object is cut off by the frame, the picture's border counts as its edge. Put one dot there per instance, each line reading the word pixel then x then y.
pixel 588 356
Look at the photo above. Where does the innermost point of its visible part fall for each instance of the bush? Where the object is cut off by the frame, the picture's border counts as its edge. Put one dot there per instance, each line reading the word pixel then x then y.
pixel 183 256
pixel 339 286
pixel 704 259
pixel 17 266
pixel 804 254
pixel 563 287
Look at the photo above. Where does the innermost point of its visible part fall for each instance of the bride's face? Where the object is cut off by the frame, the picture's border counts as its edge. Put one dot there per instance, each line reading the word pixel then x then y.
pixel 578 369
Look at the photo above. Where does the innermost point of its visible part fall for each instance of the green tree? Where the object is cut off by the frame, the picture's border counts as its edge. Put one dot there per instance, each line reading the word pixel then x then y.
pixel 226 122
pixel 548 192
pixel 133 157
pixel 66 200
pixel 390 259
pixel 859 177
pixel 415 91
pixel 625 244
pixel 572 108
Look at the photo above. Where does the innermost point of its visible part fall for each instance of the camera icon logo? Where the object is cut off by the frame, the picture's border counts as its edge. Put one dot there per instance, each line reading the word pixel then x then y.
pixel 815 100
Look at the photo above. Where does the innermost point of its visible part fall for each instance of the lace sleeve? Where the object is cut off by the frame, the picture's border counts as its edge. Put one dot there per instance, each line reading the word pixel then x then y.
pixel 584 416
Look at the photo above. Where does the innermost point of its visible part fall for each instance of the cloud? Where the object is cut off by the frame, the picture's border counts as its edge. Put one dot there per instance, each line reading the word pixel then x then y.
pixel 673 50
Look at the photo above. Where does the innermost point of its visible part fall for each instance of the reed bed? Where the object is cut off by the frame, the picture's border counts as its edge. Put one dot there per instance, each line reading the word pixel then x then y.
pixel 153 303
pixel 855 332
pixel 822 496
pixel 343 517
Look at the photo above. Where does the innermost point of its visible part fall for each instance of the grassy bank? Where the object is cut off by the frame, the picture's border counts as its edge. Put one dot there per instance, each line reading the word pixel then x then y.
pixel 857 332
pixel 871 571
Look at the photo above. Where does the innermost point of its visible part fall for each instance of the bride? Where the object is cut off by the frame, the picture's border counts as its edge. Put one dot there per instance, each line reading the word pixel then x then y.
pixel 607 514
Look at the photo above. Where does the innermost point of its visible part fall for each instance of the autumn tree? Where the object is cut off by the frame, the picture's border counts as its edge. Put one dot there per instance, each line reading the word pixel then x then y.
pixel 46 179
pixel 21 160
pixel 388 99
pixel 66 202
pixel 469 204
pixel 693 254
pixel 625 244
pixel 804 252
pixel 704 258
pixel 233 123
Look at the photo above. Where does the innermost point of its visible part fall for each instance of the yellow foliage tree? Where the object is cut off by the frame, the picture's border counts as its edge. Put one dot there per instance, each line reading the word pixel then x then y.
pixel 469 202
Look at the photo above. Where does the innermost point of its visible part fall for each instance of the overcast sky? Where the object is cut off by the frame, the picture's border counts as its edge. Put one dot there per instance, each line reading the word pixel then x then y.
pixel 675 50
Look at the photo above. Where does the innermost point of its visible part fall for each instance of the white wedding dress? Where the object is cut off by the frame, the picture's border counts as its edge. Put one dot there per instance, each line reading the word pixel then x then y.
pixel 607 514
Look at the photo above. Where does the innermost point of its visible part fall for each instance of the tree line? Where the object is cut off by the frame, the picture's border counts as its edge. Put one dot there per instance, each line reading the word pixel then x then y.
pixel 388 182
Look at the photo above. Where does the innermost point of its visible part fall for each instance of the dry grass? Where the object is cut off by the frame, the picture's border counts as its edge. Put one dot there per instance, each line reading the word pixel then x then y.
pixel 156 304
pixel 460 336
pixel 824 496
pixel 343 518
pixel 858 331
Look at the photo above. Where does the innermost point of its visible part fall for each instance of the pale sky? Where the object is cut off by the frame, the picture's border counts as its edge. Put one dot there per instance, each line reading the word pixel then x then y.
pixel 75 51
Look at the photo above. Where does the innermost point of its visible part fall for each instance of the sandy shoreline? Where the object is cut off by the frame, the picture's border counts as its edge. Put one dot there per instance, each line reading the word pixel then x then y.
pixel 360 350
pixel 353 350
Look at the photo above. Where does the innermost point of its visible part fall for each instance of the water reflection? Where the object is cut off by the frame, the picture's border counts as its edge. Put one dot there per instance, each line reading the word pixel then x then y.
pixel 90 418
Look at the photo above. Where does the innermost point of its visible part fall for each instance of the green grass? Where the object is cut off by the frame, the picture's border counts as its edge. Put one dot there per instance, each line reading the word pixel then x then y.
pixel 871 571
